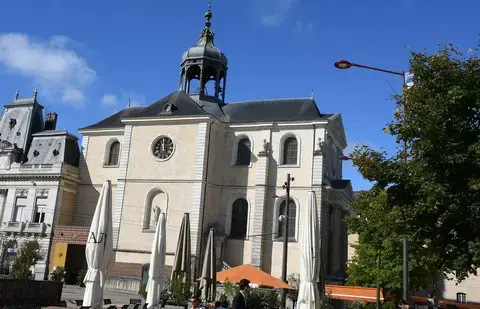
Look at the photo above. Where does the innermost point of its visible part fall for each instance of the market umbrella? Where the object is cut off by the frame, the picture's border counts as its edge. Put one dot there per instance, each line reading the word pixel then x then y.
pixel 157 264
pixel 99 249
pixel 308 294
pixel 208 281
pixel 182 265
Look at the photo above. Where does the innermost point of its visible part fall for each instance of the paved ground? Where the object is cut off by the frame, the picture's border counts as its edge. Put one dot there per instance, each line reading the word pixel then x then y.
pixel 72 292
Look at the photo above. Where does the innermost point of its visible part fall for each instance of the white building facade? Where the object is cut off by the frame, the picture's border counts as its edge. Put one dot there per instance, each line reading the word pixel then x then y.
pixel 224 164
pixel 38 179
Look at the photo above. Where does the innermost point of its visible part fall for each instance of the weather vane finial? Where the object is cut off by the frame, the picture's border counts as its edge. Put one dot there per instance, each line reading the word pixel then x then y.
pixel 129 101
pixel 35 93
pixel 16 95
pixel 208 14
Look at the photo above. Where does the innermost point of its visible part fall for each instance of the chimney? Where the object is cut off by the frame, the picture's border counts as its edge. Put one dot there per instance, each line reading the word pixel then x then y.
pixel 51 121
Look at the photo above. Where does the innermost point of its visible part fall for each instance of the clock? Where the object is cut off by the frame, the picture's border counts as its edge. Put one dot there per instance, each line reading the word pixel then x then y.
pixel 163 148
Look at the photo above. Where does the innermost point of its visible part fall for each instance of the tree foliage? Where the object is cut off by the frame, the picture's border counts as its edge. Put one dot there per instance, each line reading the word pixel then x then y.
pixel 27 257
pixel 431 191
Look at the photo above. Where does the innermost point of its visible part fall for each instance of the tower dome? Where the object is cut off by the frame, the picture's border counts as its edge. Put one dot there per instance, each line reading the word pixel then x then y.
pixel 204 67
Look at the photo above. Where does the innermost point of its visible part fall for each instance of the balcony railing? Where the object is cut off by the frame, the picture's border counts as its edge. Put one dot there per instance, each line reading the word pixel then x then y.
pixel 13 227
pixel 35 228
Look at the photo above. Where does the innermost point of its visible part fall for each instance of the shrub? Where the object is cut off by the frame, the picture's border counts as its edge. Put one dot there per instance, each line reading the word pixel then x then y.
pixel 175 292
pixel 27 257
pixel 81 276
pixel 259 299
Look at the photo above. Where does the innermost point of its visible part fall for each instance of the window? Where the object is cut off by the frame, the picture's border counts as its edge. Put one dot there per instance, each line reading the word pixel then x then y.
pixel 244 152
pixel 461 298
pixel 114 153
pixel 292 219
pixel 40 209
pixel 290 151
pixel 19 210
pixel 238 227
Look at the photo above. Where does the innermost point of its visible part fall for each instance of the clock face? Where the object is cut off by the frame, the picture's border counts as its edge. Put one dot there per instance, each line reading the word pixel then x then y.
pixel 163 148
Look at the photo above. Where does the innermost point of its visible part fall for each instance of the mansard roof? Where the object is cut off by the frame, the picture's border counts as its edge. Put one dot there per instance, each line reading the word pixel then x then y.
pixel 181 104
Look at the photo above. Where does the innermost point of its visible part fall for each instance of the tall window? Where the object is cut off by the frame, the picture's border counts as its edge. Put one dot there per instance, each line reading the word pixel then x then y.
pixel 114 153
pixel 40 209
pixel 239 219
pixel 19 210
pixel 292 219
pixel 461 298
pixel 290 151
pixel 244 152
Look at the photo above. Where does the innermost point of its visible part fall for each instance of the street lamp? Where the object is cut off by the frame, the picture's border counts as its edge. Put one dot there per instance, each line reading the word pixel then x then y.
pixel 344 64
pixel 286 187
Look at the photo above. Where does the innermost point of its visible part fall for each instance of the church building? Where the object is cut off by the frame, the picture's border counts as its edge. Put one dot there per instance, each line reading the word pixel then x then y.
pixel 222 162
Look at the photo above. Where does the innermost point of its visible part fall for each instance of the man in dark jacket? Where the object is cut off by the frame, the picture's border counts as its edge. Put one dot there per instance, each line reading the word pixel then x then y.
pixel 240 300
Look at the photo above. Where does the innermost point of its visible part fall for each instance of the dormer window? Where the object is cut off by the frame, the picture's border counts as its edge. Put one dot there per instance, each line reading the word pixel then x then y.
pixel 12 123
pixel 36 153
pixel 55 152
pixel 167 108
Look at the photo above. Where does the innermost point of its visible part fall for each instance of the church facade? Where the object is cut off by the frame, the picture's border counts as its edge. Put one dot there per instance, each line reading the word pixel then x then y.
pixel 224 164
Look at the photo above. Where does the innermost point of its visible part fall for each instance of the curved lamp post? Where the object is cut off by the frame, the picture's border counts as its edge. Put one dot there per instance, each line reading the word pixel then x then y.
pixel 342 65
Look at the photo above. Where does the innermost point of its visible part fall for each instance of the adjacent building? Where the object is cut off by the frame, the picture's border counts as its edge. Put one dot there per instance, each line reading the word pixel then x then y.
pixel 38 179
pixel 224 163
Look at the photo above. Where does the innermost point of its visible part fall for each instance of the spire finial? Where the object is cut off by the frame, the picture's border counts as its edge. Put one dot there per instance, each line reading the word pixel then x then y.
pixel 35 92
pixel 206 36
pixel 208 14
pixel 16 95
pixel 313 94
pixel 129 101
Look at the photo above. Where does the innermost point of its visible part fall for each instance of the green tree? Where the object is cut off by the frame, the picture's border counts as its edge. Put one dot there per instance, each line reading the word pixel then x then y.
pixel 431 192
pixel 27 257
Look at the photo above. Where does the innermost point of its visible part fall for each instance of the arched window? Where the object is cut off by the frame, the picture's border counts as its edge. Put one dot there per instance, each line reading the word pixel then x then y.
pixel 292 219
pixel 114 153
pixel 244 152
pixel 290 151
pixel 461 298
pixel 239 223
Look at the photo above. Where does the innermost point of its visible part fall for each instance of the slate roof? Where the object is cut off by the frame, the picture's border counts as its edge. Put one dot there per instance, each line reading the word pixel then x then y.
pixel 300 109
pixel 53 146
pixel 22 101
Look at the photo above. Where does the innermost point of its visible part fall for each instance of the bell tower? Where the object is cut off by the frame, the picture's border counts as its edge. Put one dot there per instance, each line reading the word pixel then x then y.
pixel 203 71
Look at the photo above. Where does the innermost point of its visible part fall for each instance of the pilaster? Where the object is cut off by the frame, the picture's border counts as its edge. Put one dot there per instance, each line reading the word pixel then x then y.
pixel 82 168
pixel 261 189
pixel 120 192
pixel 198 193
pixel 323 208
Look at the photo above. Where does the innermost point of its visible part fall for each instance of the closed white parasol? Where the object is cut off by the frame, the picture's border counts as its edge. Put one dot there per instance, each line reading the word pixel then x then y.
pixel 99 249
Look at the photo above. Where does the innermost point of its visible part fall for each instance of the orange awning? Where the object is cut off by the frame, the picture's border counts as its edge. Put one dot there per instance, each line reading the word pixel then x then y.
pixel 255 275
pixel 353 293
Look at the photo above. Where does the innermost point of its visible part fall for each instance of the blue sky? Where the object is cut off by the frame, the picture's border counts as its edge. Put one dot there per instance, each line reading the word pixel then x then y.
pixel 88 57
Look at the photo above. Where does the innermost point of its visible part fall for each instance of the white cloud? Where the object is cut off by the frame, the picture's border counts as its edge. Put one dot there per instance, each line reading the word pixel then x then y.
pixel 109 99
pixel 52 65
pixel 274 12
pixel 124 99
pixel 73 95
pixel 302 27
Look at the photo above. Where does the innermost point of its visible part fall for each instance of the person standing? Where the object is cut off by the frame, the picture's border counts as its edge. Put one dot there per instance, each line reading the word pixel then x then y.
pixel 240 300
